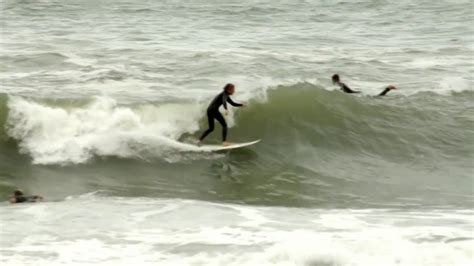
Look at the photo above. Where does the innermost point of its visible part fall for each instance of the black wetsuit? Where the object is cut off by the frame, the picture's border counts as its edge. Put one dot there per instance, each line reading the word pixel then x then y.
pixel 384 91
pixel 346 89
pixel 22 199
pixel 213 113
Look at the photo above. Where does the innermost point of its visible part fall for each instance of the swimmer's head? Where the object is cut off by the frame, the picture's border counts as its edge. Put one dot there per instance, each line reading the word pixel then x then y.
pixel 229 88
pixel 335 78
pixel 18 193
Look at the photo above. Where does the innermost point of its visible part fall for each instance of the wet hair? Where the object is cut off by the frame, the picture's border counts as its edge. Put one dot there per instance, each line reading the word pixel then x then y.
pixel 228 86
pixel 335 77
pixel 18 193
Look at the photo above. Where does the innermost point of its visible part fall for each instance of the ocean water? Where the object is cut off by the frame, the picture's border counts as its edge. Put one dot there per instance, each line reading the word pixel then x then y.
pixel 101 102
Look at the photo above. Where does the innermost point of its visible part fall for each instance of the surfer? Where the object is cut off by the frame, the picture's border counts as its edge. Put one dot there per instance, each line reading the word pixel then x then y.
pixel 19 197
pixel 213 112
pixel 336 80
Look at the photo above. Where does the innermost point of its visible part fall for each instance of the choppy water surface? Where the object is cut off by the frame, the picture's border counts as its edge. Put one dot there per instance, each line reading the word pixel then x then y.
pixel 100 100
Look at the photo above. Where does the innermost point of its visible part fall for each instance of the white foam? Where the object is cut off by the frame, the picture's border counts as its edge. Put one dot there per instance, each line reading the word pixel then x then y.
pixel 102 127
pixel 121 231
pixel 455 84
pixel 78 60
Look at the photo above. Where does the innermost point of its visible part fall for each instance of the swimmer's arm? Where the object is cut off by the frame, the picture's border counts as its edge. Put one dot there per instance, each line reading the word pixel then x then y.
pixel 386 90
pixel 12 200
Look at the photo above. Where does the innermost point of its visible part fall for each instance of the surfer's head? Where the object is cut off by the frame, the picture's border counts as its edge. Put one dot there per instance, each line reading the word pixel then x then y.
pixel 17 193
pixel 335 79
pixel 229 88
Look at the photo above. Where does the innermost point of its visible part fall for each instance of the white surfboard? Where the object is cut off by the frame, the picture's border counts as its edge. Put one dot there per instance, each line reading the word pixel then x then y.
pixel 230 147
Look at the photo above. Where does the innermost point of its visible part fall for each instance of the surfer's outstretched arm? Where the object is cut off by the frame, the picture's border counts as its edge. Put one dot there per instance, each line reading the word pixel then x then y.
pixel 229 100
pixel 386 90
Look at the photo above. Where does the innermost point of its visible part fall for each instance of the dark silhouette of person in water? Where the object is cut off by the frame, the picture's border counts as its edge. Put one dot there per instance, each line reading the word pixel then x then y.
pixel 19 197
pixel 213 112
pixel 336 80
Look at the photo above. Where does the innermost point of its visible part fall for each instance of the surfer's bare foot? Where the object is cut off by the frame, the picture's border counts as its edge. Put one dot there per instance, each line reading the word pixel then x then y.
pixel 226 143
pixel 199 143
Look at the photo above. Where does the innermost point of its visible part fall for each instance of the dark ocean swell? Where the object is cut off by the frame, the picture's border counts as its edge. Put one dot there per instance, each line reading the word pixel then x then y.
pixel 416 129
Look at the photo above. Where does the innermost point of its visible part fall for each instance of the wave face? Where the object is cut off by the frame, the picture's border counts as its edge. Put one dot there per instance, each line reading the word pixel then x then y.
pixel 309 136
pixel 425 127
pixel 419 129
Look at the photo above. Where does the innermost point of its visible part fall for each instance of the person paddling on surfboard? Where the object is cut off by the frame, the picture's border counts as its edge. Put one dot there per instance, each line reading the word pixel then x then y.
pixel 19 197
pixel 336 80
pixel 213 112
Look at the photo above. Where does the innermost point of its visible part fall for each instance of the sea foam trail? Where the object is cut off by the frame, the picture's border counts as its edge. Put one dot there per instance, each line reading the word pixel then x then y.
pixel 53 134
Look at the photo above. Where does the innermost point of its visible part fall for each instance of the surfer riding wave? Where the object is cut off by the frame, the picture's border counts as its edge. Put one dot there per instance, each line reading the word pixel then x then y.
pixel 213 112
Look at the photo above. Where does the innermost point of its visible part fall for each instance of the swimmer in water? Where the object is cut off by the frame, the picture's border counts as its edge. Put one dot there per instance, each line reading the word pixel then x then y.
pixel 19 197
pixel 337 81
pixel 213 112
